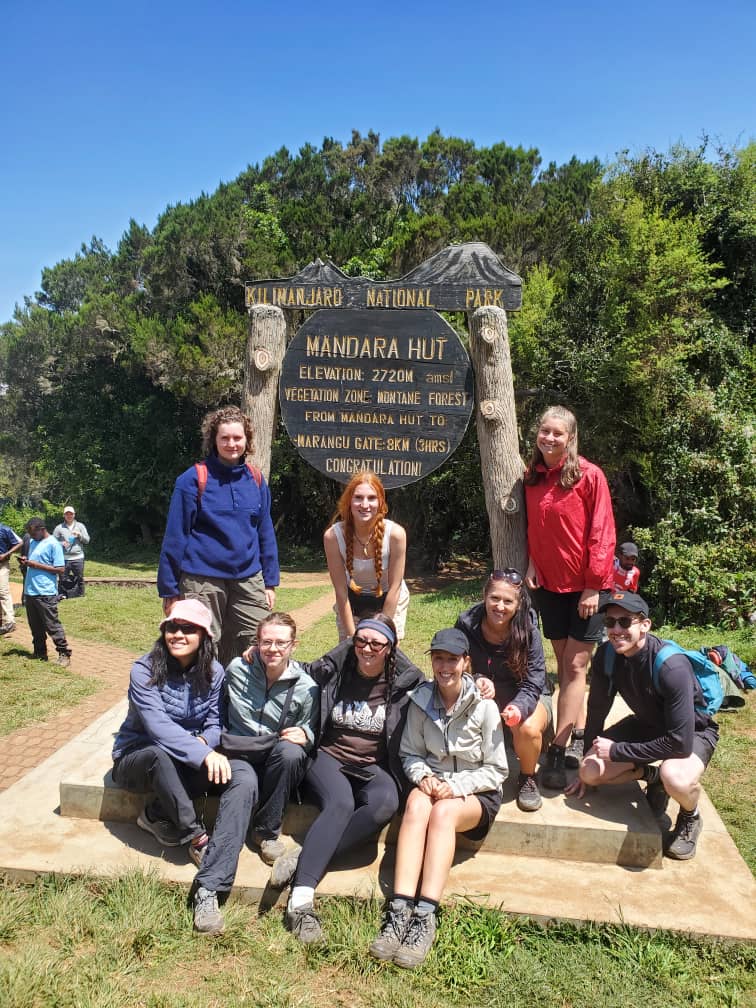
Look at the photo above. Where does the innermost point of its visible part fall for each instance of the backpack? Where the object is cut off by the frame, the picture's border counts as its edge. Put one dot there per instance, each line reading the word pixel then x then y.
pixel 202 478
pixel 705 671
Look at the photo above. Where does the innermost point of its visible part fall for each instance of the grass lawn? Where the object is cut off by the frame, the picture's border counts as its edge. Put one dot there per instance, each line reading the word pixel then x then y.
pixel 90 943
pixel 128 943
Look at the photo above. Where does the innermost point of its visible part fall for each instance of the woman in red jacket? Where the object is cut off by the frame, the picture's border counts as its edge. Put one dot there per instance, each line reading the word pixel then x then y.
pixel 571 542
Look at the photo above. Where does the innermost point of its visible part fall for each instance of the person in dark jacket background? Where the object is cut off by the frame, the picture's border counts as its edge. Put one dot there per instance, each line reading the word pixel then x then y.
pixel 219 543
pixel 508 664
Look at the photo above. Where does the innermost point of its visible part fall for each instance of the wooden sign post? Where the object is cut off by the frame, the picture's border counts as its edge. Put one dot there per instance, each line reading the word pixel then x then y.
pixel 377 379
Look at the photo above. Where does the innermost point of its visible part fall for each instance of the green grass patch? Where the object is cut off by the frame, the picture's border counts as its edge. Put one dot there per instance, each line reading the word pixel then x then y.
pixel 127 943
pixel 34 690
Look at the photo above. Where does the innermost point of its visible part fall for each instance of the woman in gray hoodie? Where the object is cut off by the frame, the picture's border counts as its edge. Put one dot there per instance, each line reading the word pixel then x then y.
pixel 452 750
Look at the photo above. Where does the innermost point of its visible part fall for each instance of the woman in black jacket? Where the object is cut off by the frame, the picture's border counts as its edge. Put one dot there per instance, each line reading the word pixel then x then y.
pixel 508 664
pixel 355 776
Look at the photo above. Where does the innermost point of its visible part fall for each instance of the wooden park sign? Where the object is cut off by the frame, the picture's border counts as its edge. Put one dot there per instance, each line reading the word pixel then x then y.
pixel 389 391
pixel 376 378
pixel 459 278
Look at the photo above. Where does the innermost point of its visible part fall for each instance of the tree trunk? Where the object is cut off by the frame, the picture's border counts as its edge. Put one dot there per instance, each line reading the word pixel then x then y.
pixel 262 366
pixel 496 420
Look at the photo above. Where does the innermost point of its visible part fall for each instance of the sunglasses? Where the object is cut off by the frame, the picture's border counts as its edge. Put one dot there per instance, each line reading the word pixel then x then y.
pixel 188 629
pixel 507 574
pixel 624 621
pixel 374 645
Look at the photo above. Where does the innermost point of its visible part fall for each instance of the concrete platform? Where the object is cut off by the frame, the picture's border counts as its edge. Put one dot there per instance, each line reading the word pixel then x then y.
pixel 611 826
pixel 715 894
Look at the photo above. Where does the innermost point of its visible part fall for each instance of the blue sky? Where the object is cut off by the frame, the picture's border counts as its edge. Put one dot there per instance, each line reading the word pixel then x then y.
pixel 110 112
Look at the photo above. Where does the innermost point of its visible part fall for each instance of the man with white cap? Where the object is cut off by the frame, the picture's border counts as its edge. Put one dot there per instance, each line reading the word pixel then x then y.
pixel 668 725
pixel 73 536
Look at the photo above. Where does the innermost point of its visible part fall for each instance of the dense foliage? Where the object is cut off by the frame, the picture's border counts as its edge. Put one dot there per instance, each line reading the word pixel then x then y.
pixel 638 311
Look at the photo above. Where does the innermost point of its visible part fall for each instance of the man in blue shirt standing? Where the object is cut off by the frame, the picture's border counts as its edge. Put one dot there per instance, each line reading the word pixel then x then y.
pixel 9 543
pixel 42 567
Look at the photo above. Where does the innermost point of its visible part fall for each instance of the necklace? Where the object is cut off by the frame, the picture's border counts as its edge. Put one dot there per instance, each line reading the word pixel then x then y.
pixel 366 543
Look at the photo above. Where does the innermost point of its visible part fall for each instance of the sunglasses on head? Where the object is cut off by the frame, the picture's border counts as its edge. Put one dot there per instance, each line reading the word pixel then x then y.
pixel 374 645
pixel 188 629
pixel 507 574
pixel 624 621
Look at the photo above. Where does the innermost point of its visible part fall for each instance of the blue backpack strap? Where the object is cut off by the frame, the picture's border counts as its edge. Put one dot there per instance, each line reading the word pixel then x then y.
pixel 666 651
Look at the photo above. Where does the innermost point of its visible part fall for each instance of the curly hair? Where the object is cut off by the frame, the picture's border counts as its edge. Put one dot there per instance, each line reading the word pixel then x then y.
pixel 201 672
pixel 226 414
pixel 570 472
pixel 515 648
pixel 343 513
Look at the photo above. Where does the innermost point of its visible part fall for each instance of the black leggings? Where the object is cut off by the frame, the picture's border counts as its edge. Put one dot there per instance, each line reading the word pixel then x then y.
pixel 350 812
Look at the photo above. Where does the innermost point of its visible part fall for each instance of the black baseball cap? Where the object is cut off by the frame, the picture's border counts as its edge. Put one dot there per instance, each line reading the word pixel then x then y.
pixel 451 640
pixel 625 600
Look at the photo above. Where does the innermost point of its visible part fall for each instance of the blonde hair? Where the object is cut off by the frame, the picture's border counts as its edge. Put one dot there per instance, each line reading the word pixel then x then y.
pixel 343 513
pixel 570 472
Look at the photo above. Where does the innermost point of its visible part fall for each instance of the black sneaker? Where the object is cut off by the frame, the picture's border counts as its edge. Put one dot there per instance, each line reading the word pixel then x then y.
pixel 304 924
pixel 163 830
pixel 528 796
pixel 417 941
pixel 553 776
pixel 682 846
pixel 573 754
pixel 396 920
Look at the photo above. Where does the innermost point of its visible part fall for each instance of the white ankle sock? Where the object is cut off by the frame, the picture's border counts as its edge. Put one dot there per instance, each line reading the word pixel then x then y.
pixel 300 896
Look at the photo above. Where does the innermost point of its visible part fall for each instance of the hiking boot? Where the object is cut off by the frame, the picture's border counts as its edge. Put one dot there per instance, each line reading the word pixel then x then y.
pixel 269 848
pixel 528 796
pixel 304 924
pixel 553 776
pixel 7 628
pixel 573 754
pixel 207 917
pixel 198 848
pixel 417 941
pixel 39 657
pixel 163 830
pixel 64 660
pixel 396 918
pixel 682 846
pixel 284 868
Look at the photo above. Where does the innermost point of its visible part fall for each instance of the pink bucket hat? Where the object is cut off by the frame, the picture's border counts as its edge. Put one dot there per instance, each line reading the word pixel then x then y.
pixel 191 611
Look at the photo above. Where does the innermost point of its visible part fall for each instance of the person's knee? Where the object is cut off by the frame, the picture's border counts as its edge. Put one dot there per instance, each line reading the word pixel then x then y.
pixel 679 777
pixel 289 755
pixel 528 732
pixel 591 771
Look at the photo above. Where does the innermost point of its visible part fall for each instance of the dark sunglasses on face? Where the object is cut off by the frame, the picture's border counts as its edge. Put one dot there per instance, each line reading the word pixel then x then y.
pixel 624 621
pixel 188 629
pixel 374 645
pixel 507 574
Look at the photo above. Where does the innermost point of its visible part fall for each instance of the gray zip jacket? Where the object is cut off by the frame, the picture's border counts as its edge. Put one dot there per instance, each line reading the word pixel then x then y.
pixel 464 748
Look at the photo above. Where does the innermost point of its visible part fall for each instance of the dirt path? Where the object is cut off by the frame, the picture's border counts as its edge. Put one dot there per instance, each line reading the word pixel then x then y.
pixel 26 748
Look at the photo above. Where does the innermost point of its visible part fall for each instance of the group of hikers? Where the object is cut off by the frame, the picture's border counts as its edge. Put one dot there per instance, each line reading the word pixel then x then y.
pixel 361 731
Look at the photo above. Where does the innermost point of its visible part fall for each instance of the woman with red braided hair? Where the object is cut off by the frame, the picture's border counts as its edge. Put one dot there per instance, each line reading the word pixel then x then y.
pixel 366 552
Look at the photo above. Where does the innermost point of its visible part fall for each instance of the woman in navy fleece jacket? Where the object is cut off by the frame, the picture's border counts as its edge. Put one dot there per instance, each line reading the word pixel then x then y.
pixel 219 544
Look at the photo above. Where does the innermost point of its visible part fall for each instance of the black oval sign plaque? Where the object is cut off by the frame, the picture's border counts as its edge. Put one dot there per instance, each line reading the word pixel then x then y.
pixel 390 391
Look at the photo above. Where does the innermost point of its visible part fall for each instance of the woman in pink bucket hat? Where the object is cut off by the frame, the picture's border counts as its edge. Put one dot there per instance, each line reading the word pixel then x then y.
pixel 166 747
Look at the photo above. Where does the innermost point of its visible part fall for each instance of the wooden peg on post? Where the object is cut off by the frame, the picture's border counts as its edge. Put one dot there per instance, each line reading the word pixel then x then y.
pixel 266 344
pixel 496 421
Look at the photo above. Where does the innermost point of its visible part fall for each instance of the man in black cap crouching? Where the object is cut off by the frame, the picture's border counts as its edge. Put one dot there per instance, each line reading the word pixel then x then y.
pixel 667 725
